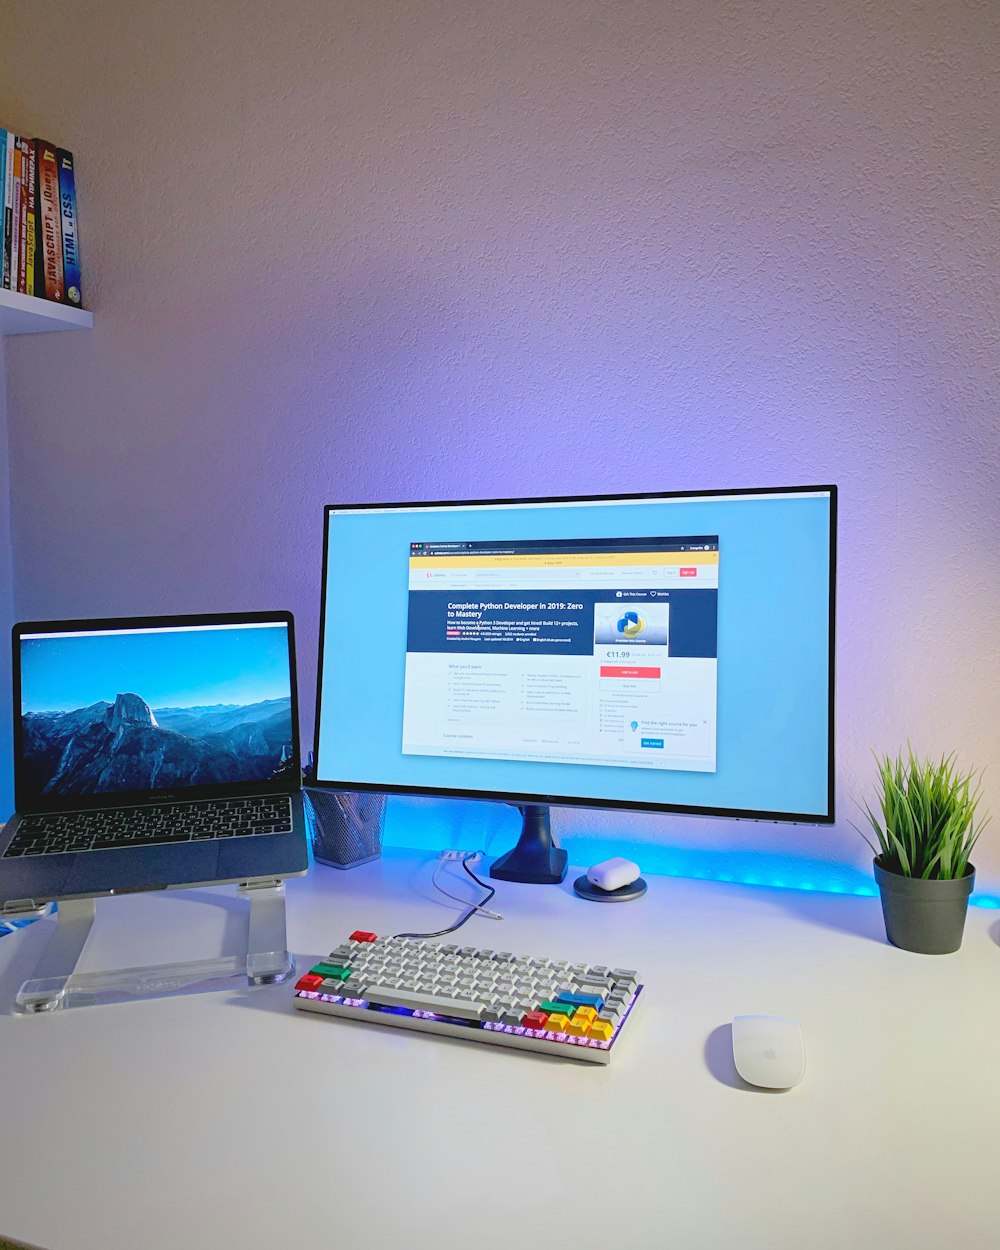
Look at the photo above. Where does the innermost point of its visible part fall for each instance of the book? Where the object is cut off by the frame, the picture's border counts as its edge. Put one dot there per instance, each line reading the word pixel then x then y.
pixel 22 236
pixel 8 206
pixel 70 227
pixel 15 214
pixel 32 234
pixel 3 201
pixel 49 251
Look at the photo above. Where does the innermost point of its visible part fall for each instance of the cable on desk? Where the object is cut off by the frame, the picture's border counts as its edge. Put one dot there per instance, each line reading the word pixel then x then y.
pixel 473 907
pixel 481 908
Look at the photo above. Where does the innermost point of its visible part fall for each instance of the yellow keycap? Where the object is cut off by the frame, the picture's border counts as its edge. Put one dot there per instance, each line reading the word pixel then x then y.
pixel 601 1030
pixel 577 1027
pixel 556 1023
pixel 585 1013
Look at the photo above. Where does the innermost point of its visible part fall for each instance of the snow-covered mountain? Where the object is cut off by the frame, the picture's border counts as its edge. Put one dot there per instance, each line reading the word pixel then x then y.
pixel 125 745
pixel 200 721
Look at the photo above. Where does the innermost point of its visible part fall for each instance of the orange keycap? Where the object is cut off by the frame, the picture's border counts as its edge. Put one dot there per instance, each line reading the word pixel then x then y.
pixel 585 1013
pixel 557 1023
pixel 601 1030
pixel 578 1027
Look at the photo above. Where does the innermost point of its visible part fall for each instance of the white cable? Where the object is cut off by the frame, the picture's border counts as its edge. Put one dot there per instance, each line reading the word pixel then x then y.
pixel 476 907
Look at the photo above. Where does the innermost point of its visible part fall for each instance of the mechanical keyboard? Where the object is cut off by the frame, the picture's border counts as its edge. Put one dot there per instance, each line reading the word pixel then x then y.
pixel 105 828
pixel 572 1010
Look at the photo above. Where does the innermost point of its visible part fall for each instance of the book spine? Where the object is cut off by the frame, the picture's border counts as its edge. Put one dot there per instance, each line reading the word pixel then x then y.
pixel 50 241
pixel 70 228
pixel 22 247
pixel 15 216
pixel 9 216
pixel 32 247
pixel 3 198
pixel 10 221
pixel 10 279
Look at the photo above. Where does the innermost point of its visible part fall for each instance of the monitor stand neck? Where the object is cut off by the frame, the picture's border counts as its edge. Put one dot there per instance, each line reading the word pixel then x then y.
pixel 536 859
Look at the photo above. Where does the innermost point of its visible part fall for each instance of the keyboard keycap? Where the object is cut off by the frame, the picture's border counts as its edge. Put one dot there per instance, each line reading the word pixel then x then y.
pixel 390 996
pixel 147 825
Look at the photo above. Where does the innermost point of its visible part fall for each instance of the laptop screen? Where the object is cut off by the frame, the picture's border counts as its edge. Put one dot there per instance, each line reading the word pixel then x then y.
pixel 155 709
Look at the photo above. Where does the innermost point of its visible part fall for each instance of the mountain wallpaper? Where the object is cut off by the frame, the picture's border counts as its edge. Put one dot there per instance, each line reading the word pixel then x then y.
pixel 127 745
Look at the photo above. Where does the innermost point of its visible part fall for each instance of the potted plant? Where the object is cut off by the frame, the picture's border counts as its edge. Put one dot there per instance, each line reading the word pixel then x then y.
pixel 926 830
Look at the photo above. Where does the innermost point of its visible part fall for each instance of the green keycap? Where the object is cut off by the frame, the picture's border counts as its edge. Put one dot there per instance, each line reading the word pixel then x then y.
pixel 332 971
pixel 564 1009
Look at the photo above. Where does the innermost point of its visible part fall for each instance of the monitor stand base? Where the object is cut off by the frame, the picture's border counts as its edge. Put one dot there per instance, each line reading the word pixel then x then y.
pixel 536 860
pixel 56 984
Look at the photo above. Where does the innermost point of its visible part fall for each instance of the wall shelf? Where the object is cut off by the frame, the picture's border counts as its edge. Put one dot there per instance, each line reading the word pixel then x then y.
pixel 26 314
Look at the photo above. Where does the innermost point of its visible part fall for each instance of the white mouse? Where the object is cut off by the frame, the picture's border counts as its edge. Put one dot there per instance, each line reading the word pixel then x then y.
pixel 769 1051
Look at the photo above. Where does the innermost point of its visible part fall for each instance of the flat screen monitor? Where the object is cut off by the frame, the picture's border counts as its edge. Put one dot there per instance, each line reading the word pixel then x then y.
pixel 669 653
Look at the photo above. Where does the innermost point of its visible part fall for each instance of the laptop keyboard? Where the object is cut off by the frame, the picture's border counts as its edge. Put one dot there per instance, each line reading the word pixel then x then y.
pixel 54 833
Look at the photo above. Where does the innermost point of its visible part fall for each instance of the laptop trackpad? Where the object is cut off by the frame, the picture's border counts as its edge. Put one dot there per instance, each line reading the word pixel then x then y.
pixel 143 868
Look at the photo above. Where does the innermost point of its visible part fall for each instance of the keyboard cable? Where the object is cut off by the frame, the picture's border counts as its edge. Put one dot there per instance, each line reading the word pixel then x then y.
pixel 481 908
pixel 473 908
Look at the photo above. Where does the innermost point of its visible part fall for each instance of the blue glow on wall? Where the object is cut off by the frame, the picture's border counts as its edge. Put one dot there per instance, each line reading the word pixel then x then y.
pixel 433 825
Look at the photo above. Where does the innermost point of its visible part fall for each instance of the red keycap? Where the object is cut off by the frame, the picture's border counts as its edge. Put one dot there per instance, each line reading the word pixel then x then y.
pixel 362 935
pixel 535 1020
pixel 309 982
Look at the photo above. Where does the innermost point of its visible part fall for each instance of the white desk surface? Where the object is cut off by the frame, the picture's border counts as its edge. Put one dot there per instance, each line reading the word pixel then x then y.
pixel 233 1120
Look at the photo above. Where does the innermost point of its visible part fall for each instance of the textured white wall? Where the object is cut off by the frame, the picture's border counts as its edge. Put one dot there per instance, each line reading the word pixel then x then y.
pixel 339 251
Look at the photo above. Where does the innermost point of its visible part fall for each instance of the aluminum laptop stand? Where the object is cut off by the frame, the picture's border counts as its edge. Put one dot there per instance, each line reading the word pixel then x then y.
pixel 56 984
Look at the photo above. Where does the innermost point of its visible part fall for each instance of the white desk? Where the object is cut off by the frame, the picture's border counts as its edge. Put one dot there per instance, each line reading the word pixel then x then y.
pixel 232 1120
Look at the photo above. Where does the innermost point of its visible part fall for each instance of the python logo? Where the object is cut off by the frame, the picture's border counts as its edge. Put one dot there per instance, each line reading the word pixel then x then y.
pixel 631 624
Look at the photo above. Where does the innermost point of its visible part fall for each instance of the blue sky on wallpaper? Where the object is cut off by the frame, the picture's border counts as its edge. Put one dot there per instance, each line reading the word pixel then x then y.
pixel 175 668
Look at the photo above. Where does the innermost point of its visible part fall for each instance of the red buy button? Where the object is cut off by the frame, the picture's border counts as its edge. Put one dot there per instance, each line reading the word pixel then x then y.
pixel 614 670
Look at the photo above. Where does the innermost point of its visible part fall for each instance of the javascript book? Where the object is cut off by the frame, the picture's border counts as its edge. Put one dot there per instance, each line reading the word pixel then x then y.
pixel 49 267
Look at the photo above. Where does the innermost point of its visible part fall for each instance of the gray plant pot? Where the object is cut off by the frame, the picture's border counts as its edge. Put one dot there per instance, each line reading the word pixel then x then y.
pixel 924 916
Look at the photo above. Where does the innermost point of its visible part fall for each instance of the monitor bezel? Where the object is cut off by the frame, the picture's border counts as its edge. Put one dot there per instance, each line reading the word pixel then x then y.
pixel 562 800
pixel 128 798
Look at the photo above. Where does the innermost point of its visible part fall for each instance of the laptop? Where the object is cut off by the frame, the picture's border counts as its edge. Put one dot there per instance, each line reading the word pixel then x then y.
pixel 152 753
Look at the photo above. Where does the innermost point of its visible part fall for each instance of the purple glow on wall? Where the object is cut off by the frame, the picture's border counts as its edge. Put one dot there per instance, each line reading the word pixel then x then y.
pixel 647 248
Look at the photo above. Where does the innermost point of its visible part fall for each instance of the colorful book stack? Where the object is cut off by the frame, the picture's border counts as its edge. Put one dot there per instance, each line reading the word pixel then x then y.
pixel 41 242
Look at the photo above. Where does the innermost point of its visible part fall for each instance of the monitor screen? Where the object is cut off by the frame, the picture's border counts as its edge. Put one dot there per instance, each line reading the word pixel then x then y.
pixel 151 709
pixel 668 652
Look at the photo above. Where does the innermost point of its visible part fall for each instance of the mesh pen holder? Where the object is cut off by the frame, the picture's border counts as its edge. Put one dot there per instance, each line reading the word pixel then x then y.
pixel 345 827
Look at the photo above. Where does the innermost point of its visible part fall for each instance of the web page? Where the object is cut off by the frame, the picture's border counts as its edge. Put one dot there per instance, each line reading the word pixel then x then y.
pixel 585 651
